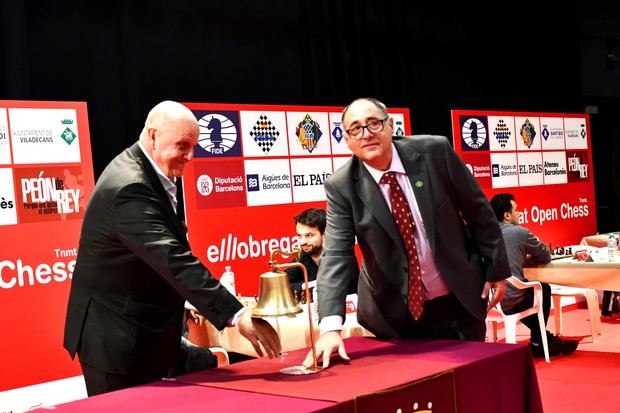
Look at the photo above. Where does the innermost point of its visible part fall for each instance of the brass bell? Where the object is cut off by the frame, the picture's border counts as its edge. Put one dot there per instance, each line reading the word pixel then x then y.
pixel 274 296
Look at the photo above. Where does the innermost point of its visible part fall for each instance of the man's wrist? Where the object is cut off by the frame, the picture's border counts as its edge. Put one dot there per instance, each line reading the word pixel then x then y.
pixel 232 321
pixel 330 323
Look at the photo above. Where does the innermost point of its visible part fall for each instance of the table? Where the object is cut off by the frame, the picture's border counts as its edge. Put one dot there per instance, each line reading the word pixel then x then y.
pixel 573 273
pixel 293 330
pixel 448 376
pixel 592 276
pixel 598 240
pixel 413 376
pixel 172 397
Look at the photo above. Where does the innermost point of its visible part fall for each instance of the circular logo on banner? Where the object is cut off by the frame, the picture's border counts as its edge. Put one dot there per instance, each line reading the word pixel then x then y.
pixel 217 133
pixel 204 185
pixel 474 133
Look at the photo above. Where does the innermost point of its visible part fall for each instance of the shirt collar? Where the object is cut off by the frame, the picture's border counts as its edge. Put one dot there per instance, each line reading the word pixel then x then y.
pixel 395 166
pixel 168 183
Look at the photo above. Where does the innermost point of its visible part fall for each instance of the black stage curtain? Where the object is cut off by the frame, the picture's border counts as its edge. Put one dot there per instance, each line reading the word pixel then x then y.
pixel 122 57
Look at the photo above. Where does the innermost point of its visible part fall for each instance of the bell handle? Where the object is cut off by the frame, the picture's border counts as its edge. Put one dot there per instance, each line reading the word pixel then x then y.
pixel 295 252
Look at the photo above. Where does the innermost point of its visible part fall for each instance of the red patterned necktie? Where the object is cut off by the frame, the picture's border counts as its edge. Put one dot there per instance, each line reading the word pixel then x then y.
pixel 406 226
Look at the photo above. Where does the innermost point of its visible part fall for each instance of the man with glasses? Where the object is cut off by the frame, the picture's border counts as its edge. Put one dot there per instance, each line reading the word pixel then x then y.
pixel 430 243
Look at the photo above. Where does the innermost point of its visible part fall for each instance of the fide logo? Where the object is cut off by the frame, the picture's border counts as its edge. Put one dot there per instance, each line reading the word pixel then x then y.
pixel 218 134
pixel 474 133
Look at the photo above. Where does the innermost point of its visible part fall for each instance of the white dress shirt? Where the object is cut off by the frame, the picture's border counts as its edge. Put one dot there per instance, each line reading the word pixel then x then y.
pixel 169 183
pixel 170 187
pixel 434 285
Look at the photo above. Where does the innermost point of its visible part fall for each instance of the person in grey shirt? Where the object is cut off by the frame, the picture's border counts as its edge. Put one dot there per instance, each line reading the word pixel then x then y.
pixel 524 248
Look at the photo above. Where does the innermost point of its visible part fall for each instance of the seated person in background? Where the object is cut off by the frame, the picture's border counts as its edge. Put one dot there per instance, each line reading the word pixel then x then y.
pixel 522 248
pixel 310 227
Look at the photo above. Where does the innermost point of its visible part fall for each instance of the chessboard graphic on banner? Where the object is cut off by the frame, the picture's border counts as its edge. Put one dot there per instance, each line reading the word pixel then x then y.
pixel 264 133
pixel 46 179
pixel 502 133
pixel 544 159
pixel 255 168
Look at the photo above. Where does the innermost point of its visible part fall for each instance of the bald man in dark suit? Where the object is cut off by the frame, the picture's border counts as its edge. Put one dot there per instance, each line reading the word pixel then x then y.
pixel 135 270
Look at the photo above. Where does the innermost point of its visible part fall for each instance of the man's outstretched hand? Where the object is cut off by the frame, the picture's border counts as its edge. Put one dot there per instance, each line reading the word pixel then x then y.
pixel 260 332
pixel 327 344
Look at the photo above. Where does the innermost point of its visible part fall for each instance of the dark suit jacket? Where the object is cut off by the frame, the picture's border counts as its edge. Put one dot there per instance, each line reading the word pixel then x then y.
pixel 462 231
pixel 296 275
pixel 134 271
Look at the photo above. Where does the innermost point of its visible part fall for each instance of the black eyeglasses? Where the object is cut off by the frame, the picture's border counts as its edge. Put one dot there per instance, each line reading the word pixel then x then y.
pixel 373 126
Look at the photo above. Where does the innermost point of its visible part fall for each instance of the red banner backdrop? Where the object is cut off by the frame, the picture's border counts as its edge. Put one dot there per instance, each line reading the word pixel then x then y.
pixel 544 159
pixel 46 178
pixel 254 169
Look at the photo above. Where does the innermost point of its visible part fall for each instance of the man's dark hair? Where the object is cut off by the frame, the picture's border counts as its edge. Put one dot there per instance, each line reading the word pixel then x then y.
pixel 313 217
pixel 501 204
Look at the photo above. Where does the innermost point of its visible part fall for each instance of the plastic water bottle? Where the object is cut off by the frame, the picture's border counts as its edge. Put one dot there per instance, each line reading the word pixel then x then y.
pixel 228 280
pixel 611 247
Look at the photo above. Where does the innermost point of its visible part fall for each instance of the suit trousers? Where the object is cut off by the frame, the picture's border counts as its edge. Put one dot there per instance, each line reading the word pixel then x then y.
pixel 99 382
pixel 444 318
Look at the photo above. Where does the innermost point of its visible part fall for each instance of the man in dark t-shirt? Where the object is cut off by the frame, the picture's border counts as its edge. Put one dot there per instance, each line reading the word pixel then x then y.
pixel 310 227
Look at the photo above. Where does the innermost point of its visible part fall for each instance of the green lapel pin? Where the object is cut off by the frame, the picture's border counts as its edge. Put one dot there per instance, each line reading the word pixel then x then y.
pixel 419 184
